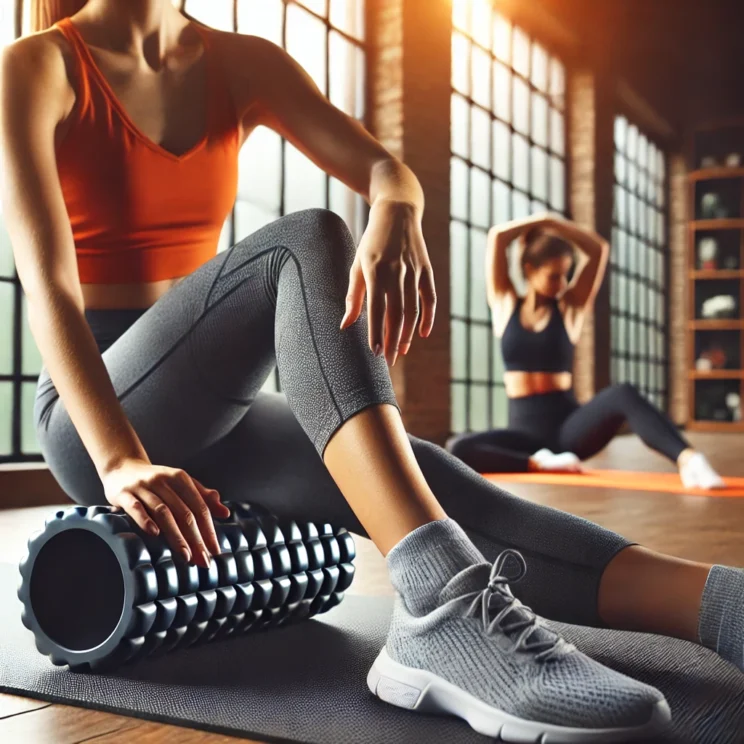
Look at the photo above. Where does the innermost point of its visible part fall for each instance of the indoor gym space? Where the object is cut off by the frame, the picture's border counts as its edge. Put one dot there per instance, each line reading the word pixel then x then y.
pixel 626 117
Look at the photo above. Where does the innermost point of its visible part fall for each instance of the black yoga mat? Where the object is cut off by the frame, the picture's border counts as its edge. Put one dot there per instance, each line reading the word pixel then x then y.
pixel 306 683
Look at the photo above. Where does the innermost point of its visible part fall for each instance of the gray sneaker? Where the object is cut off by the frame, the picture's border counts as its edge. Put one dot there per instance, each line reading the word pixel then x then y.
pixel 483 656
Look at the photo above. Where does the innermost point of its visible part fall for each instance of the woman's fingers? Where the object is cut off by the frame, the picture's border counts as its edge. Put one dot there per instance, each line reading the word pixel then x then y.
pixel 394 297
pixel 162 514
pixel 355 295
pixel 428 300
pixel 134 508
pixel 190 495
pixel 212 499
pixel 410 310
pixel 375 312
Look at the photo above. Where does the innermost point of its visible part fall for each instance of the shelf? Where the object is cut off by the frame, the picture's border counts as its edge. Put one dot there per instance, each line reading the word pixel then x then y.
pixel 730 224
pixel 706 174
pixel 716 374
pixel 716 325
pixel 731 426
pixel 717 274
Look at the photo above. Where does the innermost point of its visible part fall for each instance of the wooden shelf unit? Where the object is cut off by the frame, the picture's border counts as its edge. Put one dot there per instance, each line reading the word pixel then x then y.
pixel 730 380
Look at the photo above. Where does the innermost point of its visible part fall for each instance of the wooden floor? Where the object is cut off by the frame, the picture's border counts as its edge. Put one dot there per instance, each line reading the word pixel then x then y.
pixel 698 528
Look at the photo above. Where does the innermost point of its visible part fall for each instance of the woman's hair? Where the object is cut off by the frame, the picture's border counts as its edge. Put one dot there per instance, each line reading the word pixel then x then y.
pixel 45 13
pixel 541 246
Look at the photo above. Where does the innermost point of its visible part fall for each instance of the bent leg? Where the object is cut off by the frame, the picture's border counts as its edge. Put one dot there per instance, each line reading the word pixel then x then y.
pixel 496 451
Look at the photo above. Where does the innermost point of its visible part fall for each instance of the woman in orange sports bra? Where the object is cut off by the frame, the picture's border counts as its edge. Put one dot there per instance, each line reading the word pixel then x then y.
pixel 120 127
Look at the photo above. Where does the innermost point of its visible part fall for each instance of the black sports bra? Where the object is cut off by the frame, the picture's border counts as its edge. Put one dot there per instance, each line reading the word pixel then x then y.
pixel 549 350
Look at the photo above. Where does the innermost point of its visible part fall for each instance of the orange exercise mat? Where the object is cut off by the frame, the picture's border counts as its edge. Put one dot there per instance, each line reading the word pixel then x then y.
pixel 622 479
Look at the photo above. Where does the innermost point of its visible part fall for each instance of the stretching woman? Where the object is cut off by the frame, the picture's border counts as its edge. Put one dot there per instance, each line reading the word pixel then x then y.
pixel 538 334
pixel 120 129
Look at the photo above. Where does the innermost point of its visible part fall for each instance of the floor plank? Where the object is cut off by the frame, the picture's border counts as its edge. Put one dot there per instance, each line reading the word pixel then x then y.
pixel 699 528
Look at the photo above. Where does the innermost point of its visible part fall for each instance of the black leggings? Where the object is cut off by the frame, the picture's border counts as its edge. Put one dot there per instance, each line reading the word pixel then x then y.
pixel 557 422
pixel 189 370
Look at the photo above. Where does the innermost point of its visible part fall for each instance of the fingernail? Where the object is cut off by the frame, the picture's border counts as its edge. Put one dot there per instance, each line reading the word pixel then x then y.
pixel 378 349
pixel 207 558
pixel 404 348
pixel 185 553
pixel 152 528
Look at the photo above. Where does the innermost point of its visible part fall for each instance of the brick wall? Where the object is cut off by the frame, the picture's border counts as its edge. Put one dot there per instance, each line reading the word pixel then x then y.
pixel 677 283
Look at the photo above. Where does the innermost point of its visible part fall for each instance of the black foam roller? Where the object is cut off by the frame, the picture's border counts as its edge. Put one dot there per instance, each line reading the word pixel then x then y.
pixel 97 592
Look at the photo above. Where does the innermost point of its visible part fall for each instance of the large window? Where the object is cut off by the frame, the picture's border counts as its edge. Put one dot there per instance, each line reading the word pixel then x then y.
pixel 508 161
pixel 327 38
pixel 638 264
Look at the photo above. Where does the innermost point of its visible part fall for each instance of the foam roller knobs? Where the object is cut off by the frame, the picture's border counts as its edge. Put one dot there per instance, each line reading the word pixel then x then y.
pixel 98 592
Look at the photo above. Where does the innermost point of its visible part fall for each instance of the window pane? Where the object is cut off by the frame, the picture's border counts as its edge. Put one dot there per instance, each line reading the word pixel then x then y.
pixel 478 302
pixel 539 181
pixel 520 206
pixel 346 75
pixel 259 169
pixel 317 6
pixel 461 16
pixel 460 63
pixel 7 267
pixel 501 165
pixel 479 197
pixel 480 123
pixel 481 14
pixel 478 407
pixel 479 353
pixel 458 189
pixel 557 185
pixel 348 15
pixel 348 205
pixel 521 106
pixel 481 78
pixel 7 313
pixel 459 350
pixel 29 443
pixel 557 132
pixel 31 361
pixel 250 217
pixel 501 203
pixel 261 18
pixel 539 120
pixel 460 126
pixel 502 91
pixel 500 405
pixel 306 40
pixel 459 406
pixel 304 184
pixel 557 83
pixel 6 417
pixel 214 13
pixel 539 67
pixel 521 52
pixel 521 166
pixel 502 31
pixel 458 268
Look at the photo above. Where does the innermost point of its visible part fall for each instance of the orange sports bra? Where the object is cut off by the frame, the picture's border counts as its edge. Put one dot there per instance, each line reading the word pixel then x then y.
pixel 138 212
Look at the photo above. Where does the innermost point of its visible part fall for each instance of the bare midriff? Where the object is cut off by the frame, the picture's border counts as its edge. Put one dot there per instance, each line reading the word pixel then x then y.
pixel 521 384
pixel 125 296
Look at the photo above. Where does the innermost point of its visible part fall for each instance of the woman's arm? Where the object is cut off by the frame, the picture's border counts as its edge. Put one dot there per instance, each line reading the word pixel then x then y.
pixel 588 279
pixel 392 264
pixel 35 98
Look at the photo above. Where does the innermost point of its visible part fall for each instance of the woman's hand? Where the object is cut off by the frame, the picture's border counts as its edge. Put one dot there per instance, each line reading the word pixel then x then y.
pixel 392 267
pixel 168 501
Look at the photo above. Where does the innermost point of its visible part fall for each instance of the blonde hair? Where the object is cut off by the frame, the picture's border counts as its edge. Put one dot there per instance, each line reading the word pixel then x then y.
pixel 45 13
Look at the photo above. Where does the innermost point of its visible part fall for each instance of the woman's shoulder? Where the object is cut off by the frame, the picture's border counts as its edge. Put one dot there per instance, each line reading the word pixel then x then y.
pixel 42 61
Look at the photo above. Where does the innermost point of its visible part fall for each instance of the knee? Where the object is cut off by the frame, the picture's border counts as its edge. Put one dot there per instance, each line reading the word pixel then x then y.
pixel 323 227
pixel 627 390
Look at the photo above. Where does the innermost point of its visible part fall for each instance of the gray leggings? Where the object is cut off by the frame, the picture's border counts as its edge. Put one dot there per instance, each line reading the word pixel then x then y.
pixel 188 372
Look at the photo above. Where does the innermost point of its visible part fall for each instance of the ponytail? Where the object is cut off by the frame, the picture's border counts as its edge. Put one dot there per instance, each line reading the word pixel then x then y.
pixel 45 13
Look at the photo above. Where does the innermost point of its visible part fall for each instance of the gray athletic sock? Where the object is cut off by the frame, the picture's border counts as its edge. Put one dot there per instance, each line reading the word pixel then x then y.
pixel 425 560
pixel 721 624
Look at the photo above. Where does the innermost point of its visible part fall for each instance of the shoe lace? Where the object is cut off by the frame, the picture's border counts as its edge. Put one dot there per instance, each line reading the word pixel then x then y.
pixel 496 603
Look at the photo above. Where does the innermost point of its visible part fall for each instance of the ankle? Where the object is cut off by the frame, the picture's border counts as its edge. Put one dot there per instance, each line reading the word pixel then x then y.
pixel 685 456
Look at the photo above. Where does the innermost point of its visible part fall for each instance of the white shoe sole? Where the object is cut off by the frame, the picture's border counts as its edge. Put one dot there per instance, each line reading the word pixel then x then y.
pixel 417 689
